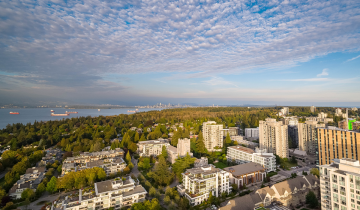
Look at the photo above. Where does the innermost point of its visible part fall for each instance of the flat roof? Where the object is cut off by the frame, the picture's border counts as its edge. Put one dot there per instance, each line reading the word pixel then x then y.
pixel 245 168
pixel 243 149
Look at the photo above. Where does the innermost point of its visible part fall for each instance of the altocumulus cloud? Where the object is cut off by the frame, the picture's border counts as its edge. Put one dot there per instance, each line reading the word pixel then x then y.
pixel 87 39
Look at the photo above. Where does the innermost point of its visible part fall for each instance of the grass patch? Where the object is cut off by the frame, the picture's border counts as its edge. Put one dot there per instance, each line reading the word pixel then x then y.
pixel 220 165
pixel 287 165
pixel 272 173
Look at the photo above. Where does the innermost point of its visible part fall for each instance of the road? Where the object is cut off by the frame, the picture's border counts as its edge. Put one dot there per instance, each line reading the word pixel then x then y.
pixel 288 173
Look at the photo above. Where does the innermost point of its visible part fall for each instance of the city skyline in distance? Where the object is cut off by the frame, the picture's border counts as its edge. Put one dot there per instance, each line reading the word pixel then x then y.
pixel 200 52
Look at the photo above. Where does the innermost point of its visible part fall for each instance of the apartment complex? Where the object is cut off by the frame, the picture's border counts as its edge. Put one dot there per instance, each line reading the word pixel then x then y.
pixel 335 143
pixel 307 135
pixel 203 161
pixel 312 108
pixel 340 185
pixel 199 182
pixel 252 133
pixel 183 148
pixel 243 155
pixel 152 147
pixel 116 193
pixel 273 136
pixel 248 173
pixel 86 157
pixel 232 131
pixel 30 180
pixel 213 135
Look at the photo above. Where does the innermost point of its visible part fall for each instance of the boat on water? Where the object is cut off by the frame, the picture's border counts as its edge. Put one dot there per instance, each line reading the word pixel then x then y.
pixel 52 111
pixel 131 111
pixel 52 114
pixel 14 113
pixel 71 112
pixel 99 110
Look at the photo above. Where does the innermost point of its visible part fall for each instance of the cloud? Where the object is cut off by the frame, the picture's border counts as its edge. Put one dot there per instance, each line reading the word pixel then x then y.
pixel 218 81
pixel 353 58
pixel 307 80
pixel 325 72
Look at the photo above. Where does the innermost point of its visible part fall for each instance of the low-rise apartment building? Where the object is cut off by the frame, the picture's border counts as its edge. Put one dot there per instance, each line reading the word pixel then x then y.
pixel 340 185
pixel 242 155
pixel 115 193
pixel 30 180
pixel 199 182
pixel 152 147
pixel 248 173
pixel 86 157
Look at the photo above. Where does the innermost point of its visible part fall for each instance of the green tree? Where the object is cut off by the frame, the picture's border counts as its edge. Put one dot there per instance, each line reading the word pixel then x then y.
pixel 200 145
pixel 128 157
pixel 315 172
pixel 51 186
pixel 161 172
pixel 167 200
pixel 152 192
pixel 164 152
pixel 136 138
pixel 311 200
pixel 59 169
pixel 40 189
pixel 142 138
pixel 133 147
pixel 227 139
pixel 27 194
pixel 211 198
pixel 144 163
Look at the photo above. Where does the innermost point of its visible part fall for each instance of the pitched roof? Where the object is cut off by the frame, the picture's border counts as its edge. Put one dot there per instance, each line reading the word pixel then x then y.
pixel 244 168
pixel 312 179
pixel 31 170
pixel 172 149
pixel 243 149
pixel 244 203
pixel 264 191
pixel 289 185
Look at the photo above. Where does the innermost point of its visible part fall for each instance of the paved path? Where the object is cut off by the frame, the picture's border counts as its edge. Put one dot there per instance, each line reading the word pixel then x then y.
pixel 135 170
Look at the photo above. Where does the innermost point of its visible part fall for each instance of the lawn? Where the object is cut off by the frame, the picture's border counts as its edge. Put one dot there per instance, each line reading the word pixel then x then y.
pixel 287 165
pixel 272 173
pixel 220 165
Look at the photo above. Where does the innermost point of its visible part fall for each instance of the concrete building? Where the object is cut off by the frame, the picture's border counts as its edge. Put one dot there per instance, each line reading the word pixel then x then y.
pixel 30 180
pixel 116 193
pixel 354 109
pixel 252 133
pixel 198 182
pixel 152 147
pixel 213 135
pixel 232 131
pixel 243 155
pixel 248 173
pixel 240 140
pixel 86 157
pixel 339 113
pixel 343 124
pixel 289 193
pixel 340 184
pixel 335 143
pixel 203 161
pixel 290 120
pixel 312 108
pixel 321 120
pixel 284 111
pixel 273 136
pixel 308 136
pixel 322 115
pixel 293 135
pixel 183 148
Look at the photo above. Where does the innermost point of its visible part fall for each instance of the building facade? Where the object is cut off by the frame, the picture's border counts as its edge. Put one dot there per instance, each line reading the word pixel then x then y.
pixel 152 147
pixel 248 173
pixel 340 185
pixel 86 157
pixel 199 182
pixel 252 133
pixel 335 143
pixel 273 136
pixel 293 133
pixel 312 108
pixel 307 135
pixel 30 180
pixel 183 148
pixel 213 135
pixel 116 193
pixel 232 131
pixel 243 155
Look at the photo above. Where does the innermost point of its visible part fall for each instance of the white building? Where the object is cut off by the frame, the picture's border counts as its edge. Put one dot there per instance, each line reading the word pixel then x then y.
pixel 183 148
pixel 213 135
pixel 243 155
pixel 252 133
pixel 322 115
pixel 30 180
pixel 312 108
pixel 340 185
pixel 308 136
pixel 203 161
pixel 354 109
pixel 152 147
pixel 284 111
pixel 273 136
pixel 116 193
pixel 199 182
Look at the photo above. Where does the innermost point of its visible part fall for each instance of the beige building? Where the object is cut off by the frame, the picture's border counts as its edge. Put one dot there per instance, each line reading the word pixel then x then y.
pixel 183 148
pixel 213 135
pixel 86 157
pixel 232 131
pixel 307 136
pixel 152 147
pixel 312 108
pixel 273 136
pixel 199 182
pixel 289 193
pixel 340 185
pixel 248 173
pixel 335 143
pixel 322 115
pixel 116 193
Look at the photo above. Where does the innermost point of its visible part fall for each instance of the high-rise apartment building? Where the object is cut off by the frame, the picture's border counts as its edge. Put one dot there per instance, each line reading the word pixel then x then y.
pixel 340 185
pixel 252 133
pixel 307 135
pixel 183 148
pixel 213 135
pixel 322 115
pixel 273 136
pixel 199 182
pixel 335 143
pixel 312 108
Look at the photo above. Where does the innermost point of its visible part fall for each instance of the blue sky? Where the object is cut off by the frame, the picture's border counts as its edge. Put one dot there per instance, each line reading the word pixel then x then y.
pixel 288 52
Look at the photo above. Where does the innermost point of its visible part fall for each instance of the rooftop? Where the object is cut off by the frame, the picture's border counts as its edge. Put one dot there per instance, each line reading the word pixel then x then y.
pixel 244 168
pixel 159 141
pixel 243 149
pixel 209 169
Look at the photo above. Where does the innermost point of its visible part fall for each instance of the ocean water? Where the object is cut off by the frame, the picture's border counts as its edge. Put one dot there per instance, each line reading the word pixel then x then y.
pixel 43 114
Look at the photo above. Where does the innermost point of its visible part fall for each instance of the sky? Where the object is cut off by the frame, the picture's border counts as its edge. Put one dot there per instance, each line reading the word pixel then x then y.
pixel 133 52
